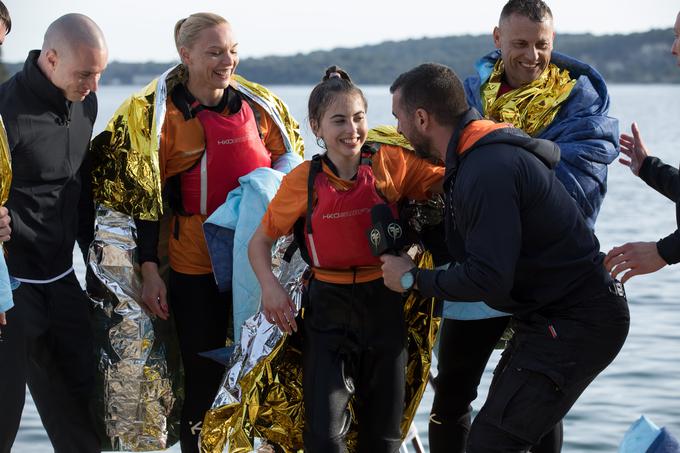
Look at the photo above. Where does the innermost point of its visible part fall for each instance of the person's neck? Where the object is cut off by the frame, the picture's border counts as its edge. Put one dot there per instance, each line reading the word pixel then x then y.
pixel 346 166
pixel 205 95
pixel 440 140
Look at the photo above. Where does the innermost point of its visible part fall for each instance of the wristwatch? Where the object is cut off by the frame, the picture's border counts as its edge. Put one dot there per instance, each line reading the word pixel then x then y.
pixel 408 279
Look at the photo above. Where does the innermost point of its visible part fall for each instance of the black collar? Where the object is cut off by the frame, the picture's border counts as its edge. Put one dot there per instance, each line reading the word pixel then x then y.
pixel 183 100
pixel 43 87
pixel 452 157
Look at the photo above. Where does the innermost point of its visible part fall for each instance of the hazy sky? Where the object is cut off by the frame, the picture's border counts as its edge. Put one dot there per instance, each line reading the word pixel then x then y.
pixel 141 30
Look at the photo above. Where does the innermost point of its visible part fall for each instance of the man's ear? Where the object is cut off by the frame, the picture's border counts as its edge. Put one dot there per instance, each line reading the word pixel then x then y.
pixel 52 58
pixel 497 37
pixel 422 119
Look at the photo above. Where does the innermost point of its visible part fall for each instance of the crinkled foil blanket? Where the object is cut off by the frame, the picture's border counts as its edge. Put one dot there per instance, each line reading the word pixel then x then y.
pixel 138 381
pixel 260 399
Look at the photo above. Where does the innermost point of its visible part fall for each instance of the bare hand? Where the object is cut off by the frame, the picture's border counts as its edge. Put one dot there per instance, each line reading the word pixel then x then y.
pixel 633 258
pixel 634 149
pixel 3 319
pixel 5 220
pixel 278 307
pixel 393 268
pixel 154 293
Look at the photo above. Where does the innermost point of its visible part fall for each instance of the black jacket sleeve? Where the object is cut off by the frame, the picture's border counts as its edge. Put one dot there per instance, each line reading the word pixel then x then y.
pixel 148 232
pixel 85 234
pixel 661 177
pixel 666 180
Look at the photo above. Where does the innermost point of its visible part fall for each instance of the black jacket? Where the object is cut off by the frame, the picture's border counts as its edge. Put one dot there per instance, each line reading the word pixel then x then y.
pixel 520 238
pixel 48 139
pixel 665 180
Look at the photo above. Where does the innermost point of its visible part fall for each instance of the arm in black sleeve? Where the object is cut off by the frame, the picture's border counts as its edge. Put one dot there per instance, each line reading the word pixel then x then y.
pixel 148 232
pixel 488 207
pixel 661 177
pixel 85 234
pixel 669 247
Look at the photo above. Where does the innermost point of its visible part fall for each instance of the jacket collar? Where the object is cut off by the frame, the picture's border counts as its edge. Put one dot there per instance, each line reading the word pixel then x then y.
pixel 452 156
pixel 42 87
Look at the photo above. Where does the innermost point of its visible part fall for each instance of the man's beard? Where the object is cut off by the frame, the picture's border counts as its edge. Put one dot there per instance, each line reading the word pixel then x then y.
pixel 423 148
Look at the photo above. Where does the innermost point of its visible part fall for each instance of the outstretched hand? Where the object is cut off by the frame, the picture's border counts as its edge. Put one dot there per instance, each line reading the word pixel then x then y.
pixel 633 258
pixel 634 148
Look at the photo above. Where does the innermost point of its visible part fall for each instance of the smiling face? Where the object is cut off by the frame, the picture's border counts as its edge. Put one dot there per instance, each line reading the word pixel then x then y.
pixel 212 58
pixel 525 47
pixel 343 126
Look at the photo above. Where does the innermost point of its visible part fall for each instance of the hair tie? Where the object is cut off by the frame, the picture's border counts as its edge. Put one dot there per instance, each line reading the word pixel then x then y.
pixel 334 74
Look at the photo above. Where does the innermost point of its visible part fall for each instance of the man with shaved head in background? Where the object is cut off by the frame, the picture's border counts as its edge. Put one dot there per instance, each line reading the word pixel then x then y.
pixel 49 109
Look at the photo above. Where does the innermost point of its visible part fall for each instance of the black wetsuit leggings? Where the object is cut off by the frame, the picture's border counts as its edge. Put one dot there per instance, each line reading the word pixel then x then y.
pixel 47 344
pixel 201 315
pixel 464 350
pixel 354 343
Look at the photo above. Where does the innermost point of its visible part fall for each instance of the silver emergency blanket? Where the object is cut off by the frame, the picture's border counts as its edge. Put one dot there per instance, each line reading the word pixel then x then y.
pixel 259 336
pixel 138 377
pixel 262 350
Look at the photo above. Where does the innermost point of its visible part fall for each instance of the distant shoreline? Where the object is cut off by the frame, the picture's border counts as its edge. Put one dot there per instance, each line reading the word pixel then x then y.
pixel 631 58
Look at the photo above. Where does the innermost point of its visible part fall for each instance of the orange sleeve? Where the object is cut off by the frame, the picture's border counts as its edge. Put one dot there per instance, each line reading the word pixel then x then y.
pixel 273 140
pixel 402 174
pixel 421 176
pixel 289 203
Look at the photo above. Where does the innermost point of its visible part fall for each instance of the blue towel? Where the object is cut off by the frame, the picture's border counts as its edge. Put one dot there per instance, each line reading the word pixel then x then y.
pixel 643 436
pixel 7 284
pixel 229 229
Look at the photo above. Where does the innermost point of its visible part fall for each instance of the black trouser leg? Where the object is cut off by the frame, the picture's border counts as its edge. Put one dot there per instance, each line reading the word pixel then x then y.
pixel 13 374
pixel 201 315
pixel 353 338
pixel 59 360
pixel 382 381
pixel 464 350
pixel 551 442
pixel 550 362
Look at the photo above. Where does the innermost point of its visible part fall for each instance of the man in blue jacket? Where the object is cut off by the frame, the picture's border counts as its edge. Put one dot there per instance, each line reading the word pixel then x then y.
pixel 550 96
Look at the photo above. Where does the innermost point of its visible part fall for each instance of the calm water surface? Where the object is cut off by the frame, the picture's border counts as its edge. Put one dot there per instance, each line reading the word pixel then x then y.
pixel 645 378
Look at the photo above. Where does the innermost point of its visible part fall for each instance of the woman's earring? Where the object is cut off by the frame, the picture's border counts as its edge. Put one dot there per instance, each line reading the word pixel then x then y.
pixel 320 143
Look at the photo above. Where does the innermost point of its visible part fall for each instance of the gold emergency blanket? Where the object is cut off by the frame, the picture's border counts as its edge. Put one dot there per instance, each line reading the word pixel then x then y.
pixel 530 107
pixel 126 173
pixel 260 400
pixel 389 136
pixel 5 165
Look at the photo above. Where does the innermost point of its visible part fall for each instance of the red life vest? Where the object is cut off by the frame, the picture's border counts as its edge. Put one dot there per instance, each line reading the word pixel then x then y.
pixel 340 220
pixel 233 148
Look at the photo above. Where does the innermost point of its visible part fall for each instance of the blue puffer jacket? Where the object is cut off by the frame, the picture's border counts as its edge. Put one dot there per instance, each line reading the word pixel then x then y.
pixel 586 135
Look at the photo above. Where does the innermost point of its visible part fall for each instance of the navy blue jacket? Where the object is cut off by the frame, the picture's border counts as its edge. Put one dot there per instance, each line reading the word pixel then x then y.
pixel 587 137
pixel 520 240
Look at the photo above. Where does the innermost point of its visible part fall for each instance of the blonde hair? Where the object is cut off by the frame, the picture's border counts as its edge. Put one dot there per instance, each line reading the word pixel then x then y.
pixel 188 29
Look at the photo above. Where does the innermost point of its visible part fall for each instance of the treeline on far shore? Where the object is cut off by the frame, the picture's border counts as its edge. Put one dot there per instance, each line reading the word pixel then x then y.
pixel 631 58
